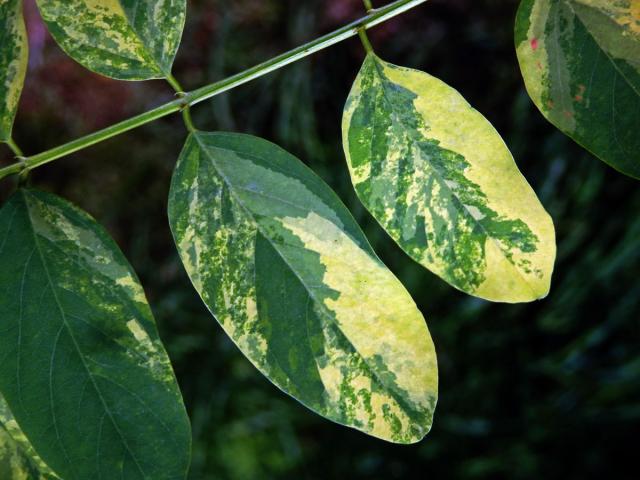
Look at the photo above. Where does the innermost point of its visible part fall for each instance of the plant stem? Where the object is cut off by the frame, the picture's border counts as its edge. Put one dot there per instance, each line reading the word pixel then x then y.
pixel 16 167
pixel 365 40
pixel 14 148
pixel 368 5
pixel 375 17
pixel 11 170
pixel 186 110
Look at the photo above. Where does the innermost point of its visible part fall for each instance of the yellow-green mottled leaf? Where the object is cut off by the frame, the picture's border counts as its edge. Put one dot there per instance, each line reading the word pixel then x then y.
pixel 82 368
pixel 440 180
pixel 580 60
pixel 15 464
pixel 14 52
pixel 123 39
pixel 285 269
pixel 18 458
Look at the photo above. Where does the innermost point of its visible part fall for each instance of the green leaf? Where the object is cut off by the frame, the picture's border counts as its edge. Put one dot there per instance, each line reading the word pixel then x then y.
pixel 123 39
pixel 81 365
pixel 18 458
pixel 580 60
pixel 15 464
pixel 14 53
pixel 442 183
pixel 285 269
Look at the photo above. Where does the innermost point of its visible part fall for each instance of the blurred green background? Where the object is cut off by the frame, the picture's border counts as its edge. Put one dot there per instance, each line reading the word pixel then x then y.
pixel 549 389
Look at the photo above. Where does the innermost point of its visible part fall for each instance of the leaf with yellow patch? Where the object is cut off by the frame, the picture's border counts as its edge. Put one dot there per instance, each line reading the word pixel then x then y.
pixel 285 269
pixel 83 369
pixel 14 52
pixel 580 60
pixel 18 458
pixel 127 40
pixel 440 180
pixel 15 464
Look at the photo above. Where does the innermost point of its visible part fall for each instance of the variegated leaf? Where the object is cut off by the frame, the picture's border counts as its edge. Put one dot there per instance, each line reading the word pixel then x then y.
pixel 288 273
pixel 123 39
pixel 18 458
pixel 580 60
pixel 83 370
pixel 14 52
pixel 442 183
pixel 15 464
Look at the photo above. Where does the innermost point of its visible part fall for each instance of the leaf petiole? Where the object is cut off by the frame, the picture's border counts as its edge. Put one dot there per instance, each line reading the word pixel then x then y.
pixel 186 109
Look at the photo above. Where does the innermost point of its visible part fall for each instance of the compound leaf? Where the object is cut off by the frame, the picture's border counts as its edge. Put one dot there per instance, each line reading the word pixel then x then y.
pixel 440 180
pixel 14 53
pixel 285 269
pixel 123 39
pixel 580 60
pixel 83 369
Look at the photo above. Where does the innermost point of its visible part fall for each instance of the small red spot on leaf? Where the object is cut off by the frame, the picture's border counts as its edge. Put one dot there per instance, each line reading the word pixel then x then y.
pixel 580 95
pixel 567 114
pixel 534 44
pixel 550 104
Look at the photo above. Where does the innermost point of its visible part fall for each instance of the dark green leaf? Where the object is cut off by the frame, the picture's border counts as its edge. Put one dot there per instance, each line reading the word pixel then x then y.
pixel 82 367
pixel 580 60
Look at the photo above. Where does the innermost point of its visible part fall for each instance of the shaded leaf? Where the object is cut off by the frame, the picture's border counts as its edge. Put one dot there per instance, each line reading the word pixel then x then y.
pixel 83 369
pixel 442 183
pixel 14 53
pixel 123 39
pixel 580 60
pixel 282 265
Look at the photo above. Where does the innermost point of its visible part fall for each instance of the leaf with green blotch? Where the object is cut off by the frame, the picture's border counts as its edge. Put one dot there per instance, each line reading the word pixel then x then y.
pixel 123 39
pixel 580 60
pixel 82 367
pixel 285 269
pixel 18 458
pixel 442 183
pixel 14 52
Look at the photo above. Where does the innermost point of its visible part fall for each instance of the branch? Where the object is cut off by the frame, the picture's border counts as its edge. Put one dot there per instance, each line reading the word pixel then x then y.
pixel 374 17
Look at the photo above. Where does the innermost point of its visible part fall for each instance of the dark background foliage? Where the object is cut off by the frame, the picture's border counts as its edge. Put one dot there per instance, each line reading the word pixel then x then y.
pixel 544 390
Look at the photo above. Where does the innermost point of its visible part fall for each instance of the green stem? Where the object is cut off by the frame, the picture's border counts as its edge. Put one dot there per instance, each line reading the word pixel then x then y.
pixel 16 167
pixel 14 148
pixel 368 5
pixel 375 17
pixel 365 40
pixel 11 170
pixel 186 110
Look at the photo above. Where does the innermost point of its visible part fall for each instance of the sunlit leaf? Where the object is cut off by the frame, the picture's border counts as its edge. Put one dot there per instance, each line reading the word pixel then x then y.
pixel 580 60
pixel 124 39
pixel 18 459
pixel 14 52
pixel 282 265
pixel 83 370
pixel 442 183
